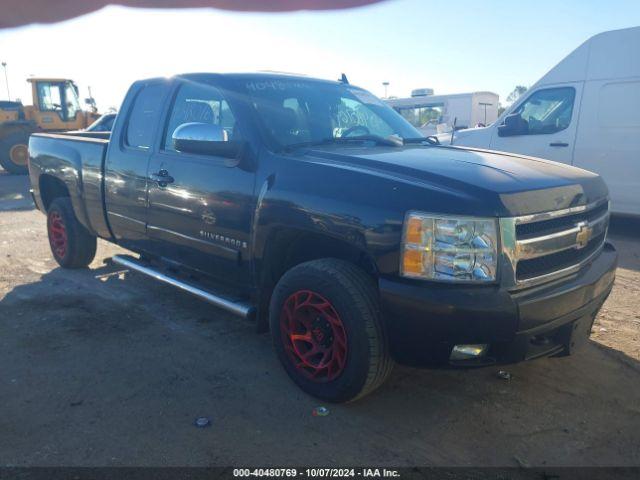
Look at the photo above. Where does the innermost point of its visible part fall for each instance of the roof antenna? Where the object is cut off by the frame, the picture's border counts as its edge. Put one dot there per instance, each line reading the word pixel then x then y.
pixel 343 79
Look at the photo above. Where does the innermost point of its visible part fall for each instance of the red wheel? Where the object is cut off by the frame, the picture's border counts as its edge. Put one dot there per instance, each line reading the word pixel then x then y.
pixel 327 330
pixel 71 244
pixel 313 336
pixel 57 234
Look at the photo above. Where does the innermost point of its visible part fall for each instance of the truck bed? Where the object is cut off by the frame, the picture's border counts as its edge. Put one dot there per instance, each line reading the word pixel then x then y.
pixel 76 160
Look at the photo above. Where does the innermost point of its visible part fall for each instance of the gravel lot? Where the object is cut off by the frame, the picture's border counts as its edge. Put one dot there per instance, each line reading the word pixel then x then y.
pixel 102 367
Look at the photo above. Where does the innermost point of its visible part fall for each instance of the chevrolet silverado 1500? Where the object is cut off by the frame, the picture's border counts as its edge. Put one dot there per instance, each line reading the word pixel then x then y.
pixel 318 212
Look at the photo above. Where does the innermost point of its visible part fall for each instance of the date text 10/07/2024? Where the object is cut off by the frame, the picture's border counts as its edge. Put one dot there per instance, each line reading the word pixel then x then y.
pixel 317 472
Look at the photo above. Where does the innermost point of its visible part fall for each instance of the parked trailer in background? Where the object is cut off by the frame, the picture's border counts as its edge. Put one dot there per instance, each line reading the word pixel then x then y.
pixel 433 114
pixel 584 112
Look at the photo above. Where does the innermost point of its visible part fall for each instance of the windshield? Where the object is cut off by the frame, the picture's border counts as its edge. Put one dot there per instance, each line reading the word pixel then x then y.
pixel 298 112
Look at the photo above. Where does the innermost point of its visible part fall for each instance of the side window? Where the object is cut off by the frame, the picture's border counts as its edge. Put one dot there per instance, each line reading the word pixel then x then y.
pixel 547 111
pixel 71 100
pixel 196 102
pixel 143 116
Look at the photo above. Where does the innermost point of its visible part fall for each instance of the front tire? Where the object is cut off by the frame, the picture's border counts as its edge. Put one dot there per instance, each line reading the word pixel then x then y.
pixel 14 153
pixel 71 244
pixel 328 332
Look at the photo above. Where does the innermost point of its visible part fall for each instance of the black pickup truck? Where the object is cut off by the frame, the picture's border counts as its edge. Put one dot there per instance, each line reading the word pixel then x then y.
pixel 315 210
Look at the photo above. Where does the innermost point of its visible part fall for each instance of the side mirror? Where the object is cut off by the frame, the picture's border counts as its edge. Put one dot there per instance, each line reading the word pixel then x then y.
pixel 204 139
pixel 89 101
pixel 513 124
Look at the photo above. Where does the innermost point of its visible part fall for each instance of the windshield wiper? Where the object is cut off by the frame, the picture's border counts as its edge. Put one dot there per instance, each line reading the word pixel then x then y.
pixel 431 140
pixel 390 141
pixel 378 140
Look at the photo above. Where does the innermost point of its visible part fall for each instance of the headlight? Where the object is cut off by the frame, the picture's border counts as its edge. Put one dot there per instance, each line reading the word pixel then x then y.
pixel 449 248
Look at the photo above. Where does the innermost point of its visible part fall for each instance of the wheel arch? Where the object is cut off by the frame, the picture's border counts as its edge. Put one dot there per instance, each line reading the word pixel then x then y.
pixel 51 188
pixel 284 248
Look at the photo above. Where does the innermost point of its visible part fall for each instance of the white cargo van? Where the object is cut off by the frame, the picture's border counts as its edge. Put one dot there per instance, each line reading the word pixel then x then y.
pixel 585 112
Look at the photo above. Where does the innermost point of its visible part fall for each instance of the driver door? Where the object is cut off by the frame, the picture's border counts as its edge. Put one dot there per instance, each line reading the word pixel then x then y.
pixel 200 206
pixel 550 117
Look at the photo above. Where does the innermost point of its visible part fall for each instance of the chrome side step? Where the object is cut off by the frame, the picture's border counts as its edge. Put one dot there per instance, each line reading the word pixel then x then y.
pixel 240 309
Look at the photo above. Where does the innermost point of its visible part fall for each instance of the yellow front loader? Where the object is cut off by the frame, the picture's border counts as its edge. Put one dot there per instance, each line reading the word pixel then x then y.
pixel 56 108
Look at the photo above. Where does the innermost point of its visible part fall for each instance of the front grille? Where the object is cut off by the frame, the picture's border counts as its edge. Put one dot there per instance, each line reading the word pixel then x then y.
pixel 546 227
pixel 552 244
pixel 546 264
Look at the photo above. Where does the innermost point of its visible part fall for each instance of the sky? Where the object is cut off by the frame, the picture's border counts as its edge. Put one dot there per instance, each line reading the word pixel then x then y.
pixel 452 47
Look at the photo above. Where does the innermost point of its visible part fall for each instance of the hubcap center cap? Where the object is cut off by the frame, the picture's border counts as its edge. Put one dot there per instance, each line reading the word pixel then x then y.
pixel 322 332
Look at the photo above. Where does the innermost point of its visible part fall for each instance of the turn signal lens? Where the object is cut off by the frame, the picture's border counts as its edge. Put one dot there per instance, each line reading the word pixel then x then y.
pixel 412 262
pixel 414 231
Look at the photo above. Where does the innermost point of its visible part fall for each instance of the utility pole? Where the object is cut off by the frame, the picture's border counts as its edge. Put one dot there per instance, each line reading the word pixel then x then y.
pixel 386 84
pixel 6 79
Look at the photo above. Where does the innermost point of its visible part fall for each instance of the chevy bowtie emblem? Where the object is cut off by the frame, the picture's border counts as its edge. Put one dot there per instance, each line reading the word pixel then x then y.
pixel 584 235
pixel 209 217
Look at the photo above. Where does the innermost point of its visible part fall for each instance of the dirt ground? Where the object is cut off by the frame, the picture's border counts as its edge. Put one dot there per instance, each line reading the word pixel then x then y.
pixel 100 367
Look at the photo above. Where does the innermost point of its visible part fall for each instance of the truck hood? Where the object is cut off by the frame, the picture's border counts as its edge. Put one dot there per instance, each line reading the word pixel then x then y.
pixel 522 184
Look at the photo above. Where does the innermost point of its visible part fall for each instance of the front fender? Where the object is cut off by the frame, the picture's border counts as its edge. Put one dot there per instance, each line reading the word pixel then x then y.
pixel 296 198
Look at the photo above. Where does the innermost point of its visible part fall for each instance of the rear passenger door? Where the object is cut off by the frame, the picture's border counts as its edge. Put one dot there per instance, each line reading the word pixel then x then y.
pixel 127 162
pixel 201 206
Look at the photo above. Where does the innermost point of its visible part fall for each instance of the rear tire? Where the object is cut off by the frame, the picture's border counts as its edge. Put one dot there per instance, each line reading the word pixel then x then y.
pixel 14 153
pixel 71 244
pixel 328 332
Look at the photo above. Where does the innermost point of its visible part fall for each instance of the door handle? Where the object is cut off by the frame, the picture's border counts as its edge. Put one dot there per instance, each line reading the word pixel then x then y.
pixel 162 177
pixel 558 144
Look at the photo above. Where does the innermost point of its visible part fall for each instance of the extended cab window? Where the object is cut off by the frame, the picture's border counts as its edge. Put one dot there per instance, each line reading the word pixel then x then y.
pixel 547 111
pixel 143 116
pixel 199 103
